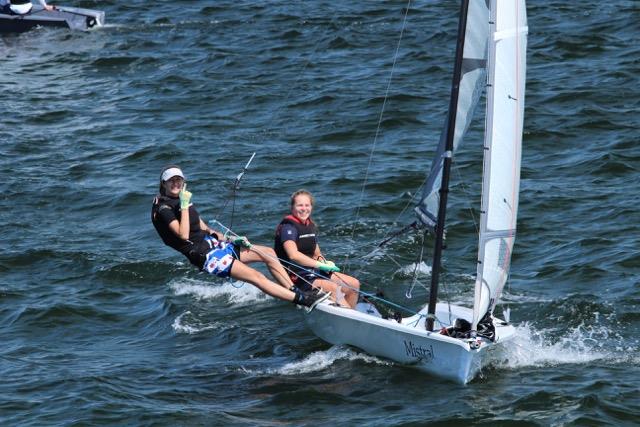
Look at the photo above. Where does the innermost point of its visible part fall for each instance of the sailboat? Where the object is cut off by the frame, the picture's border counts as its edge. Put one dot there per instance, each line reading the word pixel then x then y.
pixel 73 18
pixel 446 340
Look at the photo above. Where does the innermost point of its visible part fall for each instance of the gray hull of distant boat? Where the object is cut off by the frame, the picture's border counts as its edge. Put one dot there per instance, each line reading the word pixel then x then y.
pixel 73 18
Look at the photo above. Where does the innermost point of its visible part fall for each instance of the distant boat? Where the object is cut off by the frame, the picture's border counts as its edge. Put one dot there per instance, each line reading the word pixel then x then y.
pixel 443 339
pixel 73 18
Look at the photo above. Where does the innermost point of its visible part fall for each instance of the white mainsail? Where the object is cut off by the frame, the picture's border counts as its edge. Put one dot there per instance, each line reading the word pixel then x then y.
pixel 503 143
pixel 472 83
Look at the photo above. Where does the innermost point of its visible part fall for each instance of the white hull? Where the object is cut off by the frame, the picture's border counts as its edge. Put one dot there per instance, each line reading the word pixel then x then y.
pixel 73 18
pixel 408 342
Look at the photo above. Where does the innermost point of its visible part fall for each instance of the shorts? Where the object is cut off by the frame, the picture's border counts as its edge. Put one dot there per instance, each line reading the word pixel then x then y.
pixel 18 9
pixel 220 258
pixel 305 279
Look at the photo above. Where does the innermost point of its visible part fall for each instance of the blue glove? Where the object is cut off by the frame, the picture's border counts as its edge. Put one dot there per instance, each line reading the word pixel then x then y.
pixel 327 266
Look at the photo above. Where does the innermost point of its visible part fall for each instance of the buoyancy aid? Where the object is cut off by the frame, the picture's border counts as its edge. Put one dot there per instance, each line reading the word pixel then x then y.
pixel 306 240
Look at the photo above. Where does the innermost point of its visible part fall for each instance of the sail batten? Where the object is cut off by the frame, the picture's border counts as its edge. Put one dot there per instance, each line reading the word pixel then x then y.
pixel 493 59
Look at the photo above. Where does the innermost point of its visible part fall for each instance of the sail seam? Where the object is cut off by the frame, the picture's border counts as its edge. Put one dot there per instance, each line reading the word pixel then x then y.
pixel 510 33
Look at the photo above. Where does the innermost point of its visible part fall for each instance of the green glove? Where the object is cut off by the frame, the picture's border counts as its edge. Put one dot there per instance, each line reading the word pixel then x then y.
pixel 242 241
pixel 185 197
pixel 327 266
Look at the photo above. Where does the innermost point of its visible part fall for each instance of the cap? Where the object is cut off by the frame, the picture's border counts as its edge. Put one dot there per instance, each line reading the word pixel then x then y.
pixel 170 173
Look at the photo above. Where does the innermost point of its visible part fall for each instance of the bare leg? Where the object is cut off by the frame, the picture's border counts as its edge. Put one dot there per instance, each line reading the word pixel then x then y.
pixel 329 286
pixel 350 288
pixel 258 253
pixel 245 273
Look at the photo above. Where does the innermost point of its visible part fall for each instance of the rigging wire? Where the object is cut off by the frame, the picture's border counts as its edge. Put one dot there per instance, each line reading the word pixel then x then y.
pixel 287 264
pixel 386 239
pixel 375 138
pixel 235 187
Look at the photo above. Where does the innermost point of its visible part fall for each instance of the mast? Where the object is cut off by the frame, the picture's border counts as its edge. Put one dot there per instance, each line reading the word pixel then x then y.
pixel 446 171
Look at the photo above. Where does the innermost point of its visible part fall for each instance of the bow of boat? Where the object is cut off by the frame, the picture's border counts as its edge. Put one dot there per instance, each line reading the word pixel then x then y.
pixel 408 342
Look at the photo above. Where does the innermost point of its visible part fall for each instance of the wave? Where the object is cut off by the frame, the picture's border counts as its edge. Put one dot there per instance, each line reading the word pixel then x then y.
pixel 62 314
pixel 582 344
pixel 408 270
pixel 321 360
pixel 186 323
pixel 236 292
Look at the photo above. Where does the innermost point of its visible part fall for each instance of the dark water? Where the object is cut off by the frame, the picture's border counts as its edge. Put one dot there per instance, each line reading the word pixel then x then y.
pixel 102 325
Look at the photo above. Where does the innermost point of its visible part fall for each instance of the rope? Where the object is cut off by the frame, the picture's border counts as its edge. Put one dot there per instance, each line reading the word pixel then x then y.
pixel 386 239
pixel 283 262
pixel 228 232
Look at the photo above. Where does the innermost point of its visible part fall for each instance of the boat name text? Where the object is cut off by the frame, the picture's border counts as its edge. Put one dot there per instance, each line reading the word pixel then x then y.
pixel 425 354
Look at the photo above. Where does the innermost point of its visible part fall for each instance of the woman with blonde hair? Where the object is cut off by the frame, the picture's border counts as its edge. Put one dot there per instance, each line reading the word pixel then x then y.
pixel 296 244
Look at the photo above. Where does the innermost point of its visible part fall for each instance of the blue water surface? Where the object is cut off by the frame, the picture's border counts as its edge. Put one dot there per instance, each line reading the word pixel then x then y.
pixel 101 324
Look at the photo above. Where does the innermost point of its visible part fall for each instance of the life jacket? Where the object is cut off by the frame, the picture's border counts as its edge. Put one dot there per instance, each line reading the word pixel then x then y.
pixel 306 241
pixel 196 248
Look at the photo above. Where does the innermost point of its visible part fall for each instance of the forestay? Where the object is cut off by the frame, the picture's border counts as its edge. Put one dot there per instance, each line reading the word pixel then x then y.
pixel 503 142
pixel 472 83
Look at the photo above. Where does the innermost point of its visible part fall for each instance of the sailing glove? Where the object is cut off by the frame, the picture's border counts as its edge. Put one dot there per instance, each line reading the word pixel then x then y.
pixel 185 197
pixel 242 241
pixel 327 266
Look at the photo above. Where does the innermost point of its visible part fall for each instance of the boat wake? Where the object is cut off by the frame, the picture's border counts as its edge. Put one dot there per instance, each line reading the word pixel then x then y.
pixel 109 26
pixel 580 345
pixel 321 360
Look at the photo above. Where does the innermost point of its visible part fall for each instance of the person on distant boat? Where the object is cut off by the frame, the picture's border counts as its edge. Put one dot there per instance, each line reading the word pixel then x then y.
pixel 179 225
pixel 22 7
pixel 296 243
